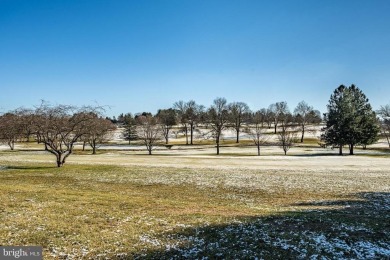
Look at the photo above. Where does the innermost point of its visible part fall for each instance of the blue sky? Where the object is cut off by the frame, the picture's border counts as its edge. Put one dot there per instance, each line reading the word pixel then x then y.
pixel 141 55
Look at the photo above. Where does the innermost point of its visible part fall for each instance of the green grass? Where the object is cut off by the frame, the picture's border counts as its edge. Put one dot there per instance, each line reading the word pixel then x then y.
pixel 105 211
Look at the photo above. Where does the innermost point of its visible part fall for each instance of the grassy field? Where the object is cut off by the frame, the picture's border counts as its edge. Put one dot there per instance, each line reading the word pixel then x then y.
pixel 191 204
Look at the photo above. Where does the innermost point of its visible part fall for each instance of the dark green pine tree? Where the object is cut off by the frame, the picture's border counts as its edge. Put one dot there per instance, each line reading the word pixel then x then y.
pixel 129 132
pixel 350 119
pixel 372 125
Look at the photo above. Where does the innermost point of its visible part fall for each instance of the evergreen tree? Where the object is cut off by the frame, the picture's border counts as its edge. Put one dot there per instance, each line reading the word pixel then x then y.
pixel 129 132
pixel 350 119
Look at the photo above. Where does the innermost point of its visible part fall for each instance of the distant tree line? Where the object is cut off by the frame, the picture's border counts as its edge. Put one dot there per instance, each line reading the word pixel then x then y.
pixel 220 116
pixel 350 121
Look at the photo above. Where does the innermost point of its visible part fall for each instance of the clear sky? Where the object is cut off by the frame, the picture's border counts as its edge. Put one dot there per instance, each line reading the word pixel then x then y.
pixel 143 55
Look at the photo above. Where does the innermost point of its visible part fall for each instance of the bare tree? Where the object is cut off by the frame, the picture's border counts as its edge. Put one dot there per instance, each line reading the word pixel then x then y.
pixel 189 115
pixel 279 111
pixel 149 130
pixel 27 125
pixel 193 116
pixel 256 131
pixel 181 110
pixel 269 117
pixel 60 127
pixel 384 114
pixel 10 129
pixel 99 130
pixel 262 113
pixel 167 118
pixel 238 110
pixel 286 138
pixel 304 115
pixel 218 117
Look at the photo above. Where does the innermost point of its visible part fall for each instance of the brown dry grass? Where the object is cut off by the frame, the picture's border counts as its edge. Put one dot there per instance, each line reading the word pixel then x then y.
pixel 127 204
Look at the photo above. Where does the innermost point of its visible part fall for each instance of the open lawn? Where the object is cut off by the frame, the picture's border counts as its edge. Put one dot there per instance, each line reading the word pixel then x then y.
pixel 189 203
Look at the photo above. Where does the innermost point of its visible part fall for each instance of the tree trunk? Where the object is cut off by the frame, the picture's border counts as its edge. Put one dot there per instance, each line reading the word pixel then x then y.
pixel 238 135
pixel 150 151
pixel 217 141
pixel 340 150
pixel 84 145
pixel 303 133
pixel 351 149
pixel 387 138
pixel 66 156
pixel 192 132
pixel 275 128
pixel 11 145
pixel 59 162
pixel 166 134
pixel 92 143
pixel 258 148
pixel 186 135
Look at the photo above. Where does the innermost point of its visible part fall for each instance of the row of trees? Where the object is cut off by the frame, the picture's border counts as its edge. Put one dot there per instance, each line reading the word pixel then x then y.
pixel 235 115
pixel 218 117
pixel 60 127
pixel 349 121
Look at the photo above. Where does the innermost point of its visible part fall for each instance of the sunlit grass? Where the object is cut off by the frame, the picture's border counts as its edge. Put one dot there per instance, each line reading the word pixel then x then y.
pixel 93 209
pixel 111 211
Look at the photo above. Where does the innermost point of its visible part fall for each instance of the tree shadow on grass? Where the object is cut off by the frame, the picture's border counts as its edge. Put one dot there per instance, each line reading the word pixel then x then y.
pixel 30 167
pixel 317 154
pixel 357 228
